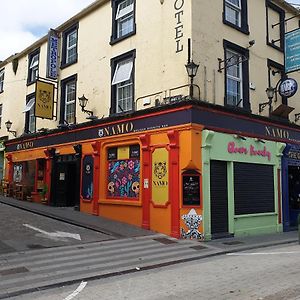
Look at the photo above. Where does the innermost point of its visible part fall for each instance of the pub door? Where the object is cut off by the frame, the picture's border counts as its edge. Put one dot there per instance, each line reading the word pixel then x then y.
pixel 294 196
pixel 65 182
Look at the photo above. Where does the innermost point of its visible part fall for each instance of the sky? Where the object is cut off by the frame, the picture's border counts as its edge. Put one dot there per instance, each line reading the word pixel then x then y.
pixel 23 22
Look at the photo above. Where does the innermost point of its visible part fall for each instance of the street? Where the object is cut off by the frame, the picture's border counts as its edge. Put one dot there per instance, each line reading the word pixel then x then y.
pixel 270 274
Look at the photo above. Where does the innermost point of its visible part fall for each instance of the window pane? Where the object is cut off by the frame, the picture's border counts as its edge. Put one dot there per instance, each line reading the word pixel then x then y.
pixel 233 91
pixel 70 102
pixel 71 47
pixel 31 126
pixel 124 8
pixel 122 72
pixel 124 96
pixel 233 12
pixel 125 25
pixel 234 2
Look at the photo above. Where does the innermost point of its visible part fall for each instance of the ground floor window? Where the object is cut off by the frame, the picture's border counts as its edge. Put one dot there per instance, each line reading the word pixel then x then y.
pixel 124 172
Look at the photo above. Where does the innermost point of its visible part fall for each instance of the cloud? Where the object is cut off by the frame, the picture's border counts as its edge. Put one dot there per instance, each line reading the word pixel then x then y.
pixel 24 22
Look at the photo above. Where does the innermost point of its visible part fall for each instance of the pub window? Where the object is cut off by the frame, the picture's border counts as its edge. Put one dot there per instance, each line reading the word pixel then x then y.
pixel 275 17
pixel 122 83
pixel 70 46
pixel 123 19
pixel 237 76
pixel 1 80
pixel 235 14
pixel 33 66
pixel 123 172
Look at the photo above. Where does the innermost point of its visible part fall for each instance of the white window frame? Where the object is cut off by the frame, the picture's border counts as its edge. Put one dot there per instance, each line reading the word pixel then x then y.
pixel 1 80
pixel 237 9
pixel 70 102
pixel 238 79
pixel 34 67
pixel 123 82
pixel 71 58
pixel 125 15
pixel 31 114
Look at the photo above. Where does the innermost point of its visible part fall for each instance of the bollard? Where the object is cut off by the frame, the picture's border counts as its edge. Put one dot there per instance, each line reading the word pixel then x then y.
pixel 299 227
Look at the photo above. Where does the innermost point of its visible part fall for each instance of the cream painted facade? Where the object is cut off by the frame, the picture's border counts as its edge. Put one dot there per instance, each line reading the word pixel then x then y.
pixel 163 28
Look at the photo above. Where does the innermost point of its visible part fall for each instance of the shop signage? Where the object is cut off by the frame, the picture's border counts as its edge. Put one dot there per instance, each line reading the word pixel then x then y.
pixel 191 189
pixel 52 54
pixel 178 6
pixel 116 129
pixel 44 100
pixel 25 145
pixel 87 177
pixel 277 132
pixel 288 87
pixel 252 151
pixel 292 51
pixel 160 176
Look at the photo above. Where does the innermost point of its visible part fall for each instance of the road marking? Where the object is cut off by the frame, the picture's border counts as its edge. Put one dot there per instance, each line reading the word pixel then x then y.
pixel 263 253
pixel 77 291
pixel 57 234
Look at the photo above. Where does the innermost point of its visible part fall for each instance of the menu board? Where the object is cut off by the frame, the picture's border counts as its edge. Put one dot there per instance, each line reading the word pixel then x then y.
pixel 191 190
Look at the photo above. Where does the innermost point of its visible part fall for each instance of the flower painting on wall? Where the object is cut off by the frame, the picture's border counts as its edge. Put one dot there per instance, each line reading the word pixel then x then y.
pixel 124 178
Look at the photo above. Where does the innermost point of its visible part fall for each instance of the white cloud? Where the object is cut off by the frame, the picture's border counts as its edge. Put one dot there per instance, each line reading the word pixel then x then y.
pixel 24 22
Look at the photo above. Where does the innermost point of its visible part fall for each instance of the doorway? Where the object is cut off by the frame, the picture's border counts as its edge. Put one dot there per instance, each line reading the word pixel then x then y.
pixel 66 181
pixel 294 195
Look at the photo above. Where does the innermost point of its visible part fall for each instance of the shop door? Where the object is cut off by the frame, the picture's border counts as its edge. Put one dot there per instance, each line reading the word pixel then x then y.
pixel 294 196
pixel 218 199
pixel 65 190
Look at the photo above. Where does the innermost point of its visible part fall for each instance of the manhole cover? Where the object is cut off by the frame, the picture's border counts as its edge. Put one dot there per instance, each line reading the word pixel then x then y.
pixel 165 241
pixel 233 243
pixel 13 271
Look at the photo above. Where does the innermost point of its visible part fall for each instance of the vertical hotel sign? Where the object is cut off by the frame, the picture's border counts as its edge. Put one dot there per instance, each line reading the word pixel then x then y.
pixel 52 55
pixel 44 99
pixel 292 51
pixel 160 176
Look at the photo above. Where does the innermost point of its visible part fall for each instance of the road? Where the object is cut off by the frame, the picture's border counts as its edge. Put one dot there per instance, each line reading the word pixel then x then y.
pixel 264 274
pixel 21 230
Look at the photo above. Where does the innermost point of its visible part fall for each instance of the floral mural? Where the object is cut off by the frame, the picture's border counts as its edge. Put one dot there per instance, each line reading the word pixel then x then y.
pixel 124 178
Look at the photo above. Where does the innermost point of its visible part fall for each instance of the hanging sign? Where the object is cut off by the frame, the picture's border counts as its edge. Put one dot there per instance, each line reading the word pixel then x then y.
pixel 288 87
pixel 52 54
pixel 292 53
pixel 44 100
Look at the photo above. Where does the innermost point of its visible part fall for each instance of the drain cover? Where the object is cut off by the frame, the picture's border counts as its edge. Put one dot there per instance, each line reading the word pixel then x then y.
pixel 13 271
pixel 165 241
pixel 233 243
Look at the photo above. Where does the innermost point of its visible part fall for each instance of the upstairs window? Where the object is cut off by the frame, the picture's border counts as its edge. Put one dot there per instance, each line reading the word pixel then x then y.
pixel 68 100
pixel 33 66
pixel 236 76
pixel 1 105
pixel 1 80
pixel 123 84
pixel 123 19
pixel 30 120
pixel 70 42
pixel 275 17
pixel 235 14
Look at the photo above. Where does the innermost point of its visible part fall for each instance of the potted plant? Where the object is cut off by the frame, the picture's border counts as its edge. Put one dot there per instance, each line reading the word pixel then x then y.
pixel 43 194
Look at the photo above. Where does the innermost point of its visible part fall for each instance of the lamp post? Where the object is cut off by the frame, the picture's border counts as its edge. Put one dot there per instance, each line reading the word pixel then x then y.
pixel 8 127
pixel 83 102
pixel 191 69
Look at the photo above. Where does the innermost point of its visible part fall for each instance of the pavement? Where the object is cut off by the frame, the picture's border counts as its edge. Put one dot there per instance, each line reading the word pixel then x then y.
pixel 131 249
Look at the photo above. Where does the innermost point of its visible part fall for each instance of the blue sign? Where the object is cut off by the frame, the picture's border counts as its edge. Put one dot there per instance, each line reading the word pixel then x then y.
pixel 52 56
pixel 292 51
pixel 288 87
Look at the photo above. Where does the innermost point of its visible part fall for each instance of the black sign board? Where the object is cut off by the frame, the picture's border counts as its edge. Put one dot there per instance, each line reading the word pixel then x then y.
pixel 87 177
pixel 112 153
pixel 191 189
pixel 134 151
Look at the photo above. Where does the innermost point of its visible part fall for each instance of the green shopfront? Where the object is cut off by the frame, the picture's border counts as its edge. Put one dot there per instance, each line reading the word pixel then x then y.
pixel 241 185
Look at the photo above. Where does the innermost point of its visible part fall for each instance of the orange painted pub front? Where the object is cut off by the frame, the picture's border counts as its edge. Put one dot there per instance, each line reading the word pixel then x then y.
pixel 131 169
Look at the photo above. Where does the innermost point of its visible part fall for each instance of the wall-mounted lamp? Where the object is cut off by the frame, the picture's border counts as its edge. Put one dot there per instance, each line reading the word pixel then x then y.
pixel 191 69
pixel 251 43
pixel 8 127
pixel 270 91
pixel 83 102
pixel 237 136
